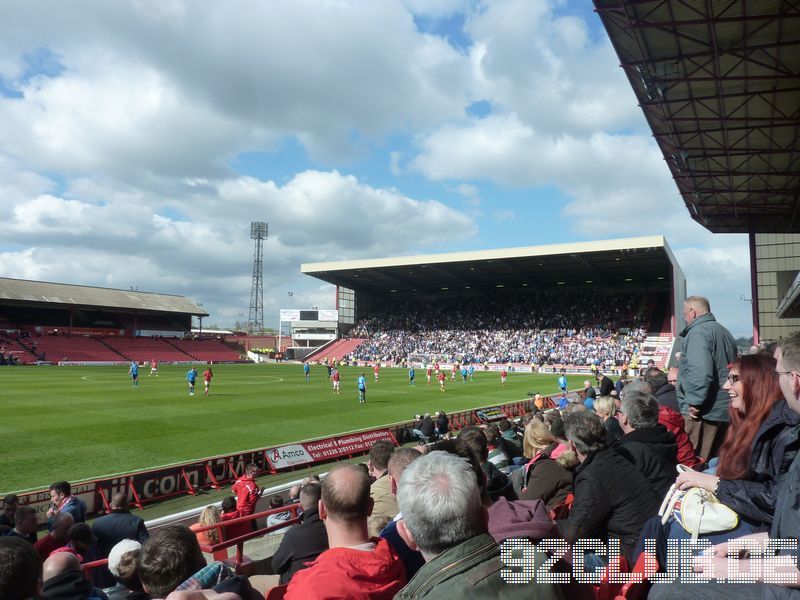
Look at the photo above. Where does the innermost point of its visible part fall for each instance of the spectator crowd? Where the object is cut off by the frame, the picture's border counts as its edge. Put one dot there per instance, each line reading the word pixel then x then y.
pixel 570 328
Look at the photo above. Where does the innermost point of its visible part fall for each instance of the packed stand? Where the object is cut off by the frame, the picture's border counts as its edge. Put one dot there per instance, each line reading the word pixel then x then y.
pixel 578 329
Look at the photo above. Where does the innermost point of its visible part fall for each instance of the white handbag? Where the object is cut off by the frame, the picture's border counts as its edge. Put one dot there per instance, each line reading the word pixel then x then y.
pixel 697 510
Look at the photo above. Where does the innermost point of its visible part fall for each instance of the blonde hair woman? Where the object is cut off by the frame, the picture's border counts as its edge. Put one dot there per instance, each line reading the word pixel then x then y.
pixel 210 516
pixel 606 408
pixel 543 477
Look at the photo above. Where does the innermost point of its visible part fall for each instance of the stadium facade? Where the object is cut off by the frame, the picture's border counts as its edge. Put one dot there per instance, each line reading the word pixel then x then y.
pixel 76 324
pixel 641 264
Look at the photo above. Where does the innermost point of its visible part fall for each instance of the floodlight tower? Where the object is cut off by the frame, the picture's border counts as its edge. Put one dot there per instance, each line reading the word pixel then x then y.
pixel 255 323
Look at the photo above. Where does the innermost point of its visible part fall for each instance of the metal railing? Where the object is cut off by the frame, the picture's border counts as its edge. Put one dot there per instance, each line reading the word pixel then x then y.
pixel 224 544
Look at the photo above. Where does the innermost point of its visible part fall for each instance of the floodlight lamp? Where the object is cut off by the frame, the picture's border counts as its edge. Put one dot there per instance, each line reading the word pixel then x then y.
pixel 258 230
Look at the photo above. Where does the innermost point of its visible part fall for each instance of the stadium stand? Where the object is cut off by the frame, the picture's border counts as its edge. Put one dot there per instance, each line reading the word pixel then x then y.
pixel 146 349
pixel 76 348
pixel 206 350
pixel 337 349
pixel 579 328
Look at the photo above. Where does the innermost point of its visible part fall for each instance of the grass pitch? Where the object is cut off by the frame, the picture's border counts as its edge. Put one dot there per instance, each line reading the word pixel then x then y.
pixel 82 422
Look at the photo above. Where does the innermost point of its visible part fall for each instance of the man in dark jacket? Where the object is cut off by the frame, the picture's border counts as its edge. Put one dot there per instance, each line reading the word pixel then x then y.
pixel 708 349
pixel 61 499
pixel 663 391
pixel 112 528
pixel 306 540
pixel 425 428
pixel 497 483
pixel 510 441
pixel 63 580
pixel 612 498
pixel 605 384
pixel 647 443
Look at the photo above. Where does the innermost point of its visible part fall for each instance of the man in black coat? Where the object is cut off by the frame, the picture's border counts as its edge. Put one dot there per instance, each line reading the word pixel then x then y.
pixel 612 498
pixel 663 390
pixel 605 384
pixel 647 443
pixel 306 540
pixel 112 528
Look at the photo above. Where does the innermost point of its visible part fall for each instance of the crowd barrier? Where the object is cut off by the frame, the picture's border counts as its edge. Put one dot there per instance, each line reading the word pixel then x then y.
pixel 220 550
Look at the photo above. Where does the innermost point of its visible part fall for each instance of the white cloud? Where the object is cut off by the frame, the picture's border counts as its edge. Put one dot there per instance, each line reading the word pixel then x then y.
pixel 720 271
pixel 133 239
pixel 175 91
pixel 548 69
pixel 613 180
pixel 137 133
pixel 437 8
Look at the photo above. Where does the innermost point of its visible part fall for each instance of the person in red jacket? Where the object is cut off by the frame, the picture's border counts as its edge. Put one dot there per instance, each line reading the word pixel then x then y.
pixel 247 491
pixel 670 417
pixel 229 513
pixel 354 566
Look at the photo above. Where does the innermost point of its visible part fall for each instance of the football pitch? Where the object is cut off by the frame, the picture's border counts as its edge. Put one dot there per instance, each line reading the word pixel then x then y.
pixel 83 422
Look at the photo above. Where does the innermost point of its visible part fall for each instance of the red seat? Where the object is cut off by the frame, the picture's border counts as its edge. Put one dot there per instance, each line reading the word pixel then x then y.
pixel 637 590
pixel 561 511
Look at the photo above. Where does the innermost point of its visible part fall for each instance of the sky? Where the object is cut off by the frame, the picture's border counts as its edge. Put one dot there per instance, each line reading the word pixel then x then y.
pixel 139 139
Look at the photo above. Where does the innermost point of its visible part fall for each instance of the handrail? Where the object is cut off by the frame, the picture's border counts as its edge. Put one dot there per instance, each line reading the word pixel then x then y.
pixel 225 544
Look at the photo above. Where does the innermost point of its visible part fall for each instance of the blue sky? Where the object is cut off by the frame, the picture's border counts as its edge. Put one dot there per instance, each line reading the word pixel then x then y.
pixel 138 139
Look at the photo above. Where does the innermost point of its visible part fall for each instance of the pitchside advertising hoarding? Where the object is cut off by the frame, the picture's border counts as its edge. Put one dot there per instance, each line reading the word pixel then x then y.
pixel 292 455
pixel 147 486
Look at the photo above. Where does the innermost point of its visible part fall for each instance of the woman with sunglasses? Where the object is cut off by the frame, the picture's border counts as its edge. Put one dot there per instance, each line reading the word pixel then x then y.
pixel 759 445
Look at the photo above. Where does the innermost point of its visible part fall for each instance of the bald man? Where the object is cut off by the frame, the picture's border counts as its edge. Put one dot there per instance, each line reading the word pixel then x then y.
pixel 354 565
pixel 58 536
pixel 63 579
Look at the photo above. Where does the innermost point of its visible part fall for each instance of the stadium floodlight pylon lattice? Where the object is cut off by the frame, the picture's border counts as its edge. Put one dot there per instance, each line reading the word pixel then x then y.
pixel 255 321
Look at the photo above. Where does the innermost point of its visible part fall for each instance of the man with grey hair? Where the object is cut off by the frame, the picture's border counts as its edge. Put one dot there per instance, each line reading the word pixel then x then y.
pixel 612 498
pixel 708 349
pixel 647 443
pixel 444 517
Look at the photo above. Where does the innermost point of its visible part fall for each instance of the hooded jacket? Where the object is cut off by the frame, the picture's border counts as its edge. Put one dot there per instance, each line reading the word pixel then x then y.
pixel 654 451
pixel 350 573
pixel 666 395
